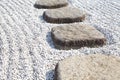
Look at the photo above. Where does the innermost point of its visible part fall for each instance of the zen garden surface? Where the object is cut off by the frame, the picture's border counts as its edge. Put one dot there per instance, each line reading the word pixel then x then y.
pixel 27 51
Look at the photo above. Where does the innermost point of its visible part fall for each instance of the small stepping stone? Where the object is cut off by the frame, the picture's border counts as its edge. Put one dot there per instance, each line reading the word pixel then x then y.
pixel 89 67
pixel 50 3
pixel 64 15
pixel 76 36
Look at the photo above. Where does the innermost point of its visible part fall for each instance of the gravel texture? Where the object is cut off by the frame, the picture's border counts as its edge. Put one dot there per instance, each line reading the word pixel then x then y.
pixel 75 36
pixel 89 67
pixel 26 48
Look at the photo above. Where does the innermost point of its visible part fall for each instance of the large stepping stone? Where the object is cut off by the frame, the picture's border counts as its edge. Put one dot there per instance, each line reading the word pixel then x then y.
pixel 76 36
pixel 50 3
pixel 89 67
pixel 64 15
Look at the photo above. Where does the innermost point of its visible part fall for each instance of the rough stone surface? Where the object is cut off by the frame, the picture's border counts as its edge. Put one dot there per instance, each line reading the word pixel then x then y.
pixel 76 36
pixel 89 67
pixel 50 3
pixel 64 15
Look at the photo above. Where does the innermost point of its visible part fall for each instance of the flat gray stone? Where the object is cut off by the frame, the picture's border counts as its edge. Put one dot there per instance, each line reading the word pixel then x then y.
pixel 50 3
pixel 89 67
pixel 76 36
pixel 64 15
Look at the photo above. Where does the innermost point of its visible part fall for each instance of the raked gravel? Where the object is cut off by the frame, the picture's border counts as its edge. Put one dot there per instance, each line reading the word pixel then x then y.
pixel 26 48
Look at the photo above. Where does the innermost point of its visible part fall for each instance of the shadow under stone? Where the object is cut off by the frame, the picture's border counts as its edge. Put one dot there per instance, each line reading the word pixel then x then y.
pixel 50 75
pixel 49 40
pixel 41 19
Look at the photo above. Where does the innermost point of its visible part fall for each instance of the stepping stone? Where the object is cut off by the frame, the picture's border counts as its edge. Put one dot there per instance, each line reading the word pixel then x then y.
pixel 76 36
pixel 50 3
pixel 64 15
pixel 89 67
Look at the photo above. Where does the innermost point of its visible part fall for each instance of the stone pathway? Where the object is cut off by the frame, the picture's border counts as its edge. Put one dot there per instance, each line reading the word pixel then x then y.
pixel 72 36
pixel 87 36
pixel 26 48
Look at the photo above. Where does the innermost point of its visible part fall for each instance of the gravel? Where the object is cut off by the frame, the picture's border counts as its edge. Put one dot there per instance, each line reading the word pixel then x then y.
pixel 26 48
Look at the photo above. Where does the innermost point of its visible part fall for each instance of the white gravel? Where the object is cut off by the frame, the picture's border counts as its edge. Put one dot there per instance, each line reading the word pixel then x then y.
pixel 26 48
